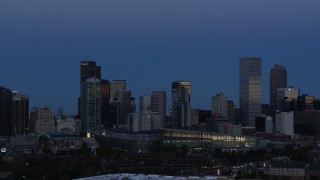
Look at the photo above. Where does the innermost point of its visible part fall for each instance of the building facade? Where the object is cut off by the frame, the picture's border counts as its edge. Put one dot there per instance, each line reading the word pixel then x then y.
pixel 284 123
pixel 287 99
pixel 181 105
pixel 91 101
pixel 20 114
pixel 6 121
pixel 43 120
pixel 219 104
pixel 278 79
pixel 159 105
pixel 144 103
pixel 250 90
pixel 116 86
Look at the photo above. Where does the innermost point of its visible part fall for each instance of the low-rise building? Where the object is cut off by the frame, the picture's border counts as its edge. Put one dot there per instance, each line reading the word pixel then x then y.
pixel 291 169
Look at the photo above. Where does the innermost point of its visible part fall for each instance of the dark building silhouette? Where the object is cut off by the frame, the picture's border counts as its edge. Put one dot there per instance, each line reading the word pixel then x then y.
pixel 158 105
pixel 181 106
pixel 278 79
pixel 105 95
pixel 6 120
pixel 231 111
pixel 20 114
pixel 124 108
pixel 89 69
pixel 305 103
pixel 307 123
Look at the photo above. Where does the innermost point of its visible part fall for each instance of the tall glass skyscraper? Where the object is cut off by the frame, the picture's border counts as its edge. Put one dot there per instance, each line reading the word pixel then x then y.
pixel 181 107
pixel 278 79
pixel 91 101
pixel 250 89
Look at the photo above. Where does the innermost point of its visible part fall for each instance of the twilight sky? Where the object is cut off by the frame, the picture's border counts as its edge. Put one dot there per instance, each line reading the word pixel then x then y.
pixel 152 43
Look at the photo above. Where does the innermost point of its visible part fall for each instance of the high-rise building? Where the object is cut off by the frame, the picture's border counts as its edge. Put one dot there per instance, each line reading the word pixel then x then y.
pixel 124 109
pixel 116 86
pixel 231 111
pixel 181 105
pixel 287 99
pixel 278 79
pixel 6 121
pixel 20 114
pixel 105 95
pixel 219 104
pixel 144 103
pixel 91 101
pixel 43 120
pixel 250 90
pixel 88 69
pixel 158 105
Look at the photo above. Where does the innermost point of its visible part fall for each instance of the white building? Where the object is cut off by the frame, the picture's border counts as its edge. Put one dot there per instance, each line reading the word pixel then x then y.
pixel 285 123
pixel 143 121
pixel 293 169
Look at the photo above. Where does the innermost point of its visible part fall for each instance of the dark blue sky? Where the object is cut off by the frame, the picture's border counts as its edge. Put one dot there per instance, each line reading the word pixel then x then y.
pixel 152 43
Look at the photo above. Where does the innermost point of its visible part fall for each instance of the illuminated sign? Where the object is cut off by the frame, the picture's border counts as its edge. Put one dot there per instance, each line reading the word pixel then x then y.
pixel 3 150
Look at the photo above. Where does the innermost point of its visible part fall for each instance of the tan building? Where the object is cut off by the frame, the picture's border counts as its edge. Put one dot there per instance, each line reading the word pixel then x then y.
pixel 43 120
pixel 292 169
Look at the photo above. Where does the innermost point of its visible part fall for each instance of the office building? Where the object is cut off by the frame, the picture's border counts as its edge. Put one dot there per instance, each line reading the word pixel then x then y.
pixel 305 103
pixel 278 79
pixel 284 123
pixel 264 124
pixel 6 121
pixel 144 103
pixel 159 105
pixel 43 120
pixel 219 104
pixel 307 123
pixel 181 105
pixel 116 86
pixel 143 121
pixel 88 69
pixel 287 99
pixel 231 111
pixel 91 101
pixel 20 114
pixel 250 90
pixel 124 109
pixel 105 95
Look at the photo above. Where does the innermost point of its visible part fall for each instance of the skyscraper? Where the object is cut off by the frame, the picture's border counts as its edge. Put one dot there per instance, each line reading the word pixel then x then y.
pixel 88 69
pixel 181 106
pixel 20 114
pixel 278 79
pixel 250 89
pixel 124 110
pixel 105 95
pixel 158 105
pixel 116 86
pixel 144 103
pixel 219 104
pixel 6 121
pixel 91 100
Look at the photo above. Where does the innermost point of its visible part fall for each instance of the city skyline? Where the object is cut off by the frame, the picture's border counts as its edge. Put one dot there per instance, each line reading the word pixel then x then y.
pixel 151 44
